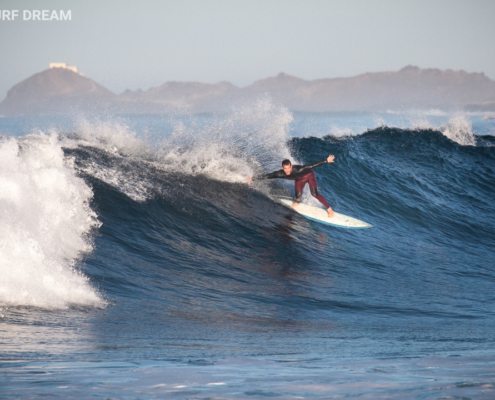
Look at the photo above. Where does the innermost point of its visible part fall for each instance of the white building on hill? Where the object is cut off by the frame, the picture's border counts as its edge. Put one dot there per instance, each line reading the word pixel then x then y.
pixel 64 65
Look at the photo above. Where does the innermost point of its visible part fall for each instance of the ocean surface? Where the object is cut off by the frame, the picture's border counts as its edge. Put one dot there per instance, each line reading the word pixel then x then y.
pixel 136 262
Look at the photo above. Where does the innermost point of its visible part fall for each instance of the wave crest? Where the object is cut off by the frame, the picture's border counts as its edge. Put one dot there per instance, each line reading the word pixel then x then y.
pixel 227 148
pixel 459 130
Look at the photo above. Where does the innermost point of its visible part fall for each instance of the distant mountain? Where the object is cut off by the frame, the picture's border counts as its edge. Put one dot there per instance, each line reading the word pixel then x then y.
pixel 55 91
pixel 411 87
pixel 200 97
pixel 58 90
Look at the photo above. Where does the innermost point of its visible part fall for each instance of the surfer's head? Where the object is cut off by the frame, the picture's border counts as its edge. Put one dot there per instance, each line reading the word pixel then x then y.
pixel 287 166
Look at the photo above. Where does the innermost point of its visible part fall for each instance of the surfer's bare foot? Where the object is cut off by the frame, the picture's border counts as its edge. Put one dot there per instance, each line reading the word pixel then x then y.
pixel 295 204
pixel 330 213
pixel 250 180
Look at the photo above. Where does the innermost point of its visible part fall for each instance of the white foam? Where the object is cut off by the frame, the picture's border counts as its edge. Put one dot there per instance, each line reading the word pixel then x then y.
pixel 228 147
pixel 44 222
pixel 119 141
pixel 112 136
pixel 231 147
pixel 459 129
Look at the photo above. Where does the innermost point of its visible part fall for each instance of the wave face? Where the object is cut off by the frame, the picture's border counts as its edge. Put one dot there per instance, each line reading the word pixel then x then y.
pixel 163 227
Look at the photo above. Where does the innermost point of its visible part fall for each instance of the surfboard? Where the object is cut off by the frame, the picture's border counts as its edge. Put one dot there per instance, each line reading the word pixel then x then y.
pixel 320 215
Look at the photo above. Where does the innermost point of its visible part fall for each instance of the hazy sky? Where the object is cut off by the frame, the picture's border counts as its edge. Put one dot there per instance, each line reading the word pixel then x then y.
pixel 139 44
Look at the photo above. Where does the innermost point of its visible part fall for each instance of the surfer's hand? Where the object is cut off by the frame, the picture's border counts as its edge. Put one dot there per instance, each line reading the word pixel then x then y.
pixel 330 158
pixel 250 180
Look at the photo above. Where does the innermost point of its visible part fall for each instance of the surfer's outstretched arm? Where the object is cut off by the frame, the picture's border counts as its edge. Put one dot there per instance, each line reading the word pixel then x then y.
pixel 305 168
pixel 273 175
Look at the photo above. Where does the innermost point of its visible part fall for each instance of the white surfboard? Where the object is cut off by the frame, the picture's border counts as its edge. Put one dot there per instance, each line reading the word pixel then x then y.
pixel 320 215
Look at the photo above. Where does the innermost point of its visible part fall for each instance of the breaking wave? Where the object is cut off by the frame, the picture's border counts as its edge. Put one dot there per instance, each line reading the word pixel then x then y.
pixel 44 225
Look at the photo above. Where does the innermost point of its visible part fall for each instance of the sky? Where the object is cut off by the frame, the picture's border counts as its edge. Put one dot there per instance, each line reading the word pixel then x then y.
pixel 141 44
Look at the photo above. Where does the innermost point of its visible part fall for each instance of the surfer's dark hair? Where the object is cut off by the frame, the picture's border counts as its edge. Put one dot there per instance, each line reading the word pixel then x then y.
pixel 286 162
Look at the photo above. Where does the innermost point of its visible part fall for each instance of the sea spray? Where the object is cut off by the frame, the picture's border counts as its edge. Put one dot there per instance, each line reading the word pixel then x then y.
pixel 230 147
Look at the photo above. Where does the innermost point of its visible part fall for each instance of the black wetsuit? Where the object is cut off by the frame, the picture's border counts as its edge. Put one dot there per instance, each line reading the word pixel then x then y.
pixel 302 174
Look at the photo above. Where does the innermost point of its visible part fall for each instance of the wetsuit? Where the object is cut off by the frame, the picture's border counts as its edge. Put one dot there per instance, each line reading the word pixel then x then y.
pixel 302 174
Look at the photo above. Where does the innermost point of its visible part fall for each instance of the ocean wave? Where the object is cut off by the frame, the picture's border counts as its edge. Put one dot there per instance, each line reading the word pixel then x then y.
pixel 203 242
pixel 184 199
pixel 458 128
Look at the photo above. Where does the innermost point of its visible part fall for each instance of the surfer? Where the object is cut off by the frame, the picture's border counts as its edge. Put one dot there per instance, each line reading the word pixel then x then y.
pixel 301 174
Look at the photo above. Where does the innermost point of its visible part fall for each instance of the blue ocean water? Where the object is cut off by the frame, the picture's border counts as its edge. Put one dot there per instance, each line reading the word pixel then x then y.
pixel 136 261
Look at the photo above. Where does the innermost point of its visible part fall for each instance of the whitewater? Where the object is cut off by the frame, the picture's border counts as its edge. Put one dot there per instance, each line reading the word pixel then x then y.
pixel 136 261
